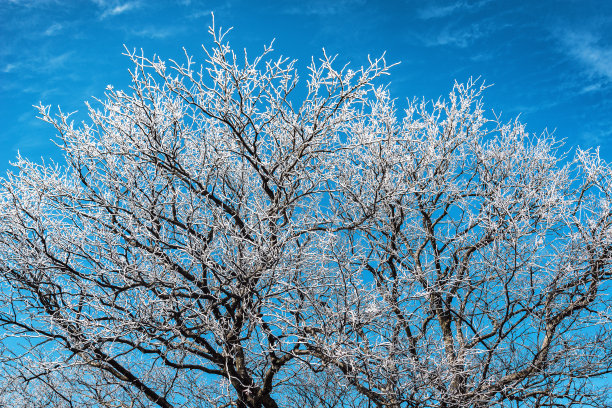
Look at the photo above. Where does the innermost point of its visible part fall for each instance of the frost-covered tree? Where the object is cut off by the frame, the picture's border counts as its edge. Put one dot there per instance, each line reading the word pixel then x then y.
pixel 216 238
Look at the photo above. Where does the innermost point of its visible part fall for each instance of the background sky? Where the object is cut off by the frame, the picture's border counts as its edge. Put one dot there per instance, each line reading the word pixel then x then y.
pixel 549 61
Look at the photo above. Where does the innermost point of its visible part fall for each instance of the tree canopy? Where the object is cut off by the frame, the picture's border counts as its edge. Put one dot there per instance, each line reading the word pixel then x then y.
pixel 220 235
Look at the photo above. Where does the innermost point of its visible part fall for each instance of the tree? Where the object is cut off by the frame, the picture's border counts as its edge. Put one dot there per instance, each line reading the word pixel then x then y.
pixel 217 238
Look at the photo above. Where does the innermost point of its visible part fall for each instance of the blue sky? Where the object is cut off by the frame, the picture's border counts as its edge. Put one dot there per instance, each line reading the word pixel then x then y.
pixel 550 61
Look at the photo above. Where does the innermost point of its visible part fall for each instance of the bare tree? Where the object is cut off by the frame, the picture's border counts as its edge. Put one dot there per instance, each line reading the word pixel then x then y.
pixel 216 238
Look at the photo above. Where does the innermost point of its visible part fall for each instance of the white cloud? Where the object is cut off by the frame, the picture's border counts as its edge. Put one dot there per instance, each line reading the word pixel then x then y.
pixel 202 13
pixel 585 48
pixel 53 29
pixel 437 11
pixel 34 64
pixel 57 61
pixel 595 138
pixel 461 37
pixel 592 87
pixel 155 33
pixel 9 68
pixel 323 7
pixel 115 10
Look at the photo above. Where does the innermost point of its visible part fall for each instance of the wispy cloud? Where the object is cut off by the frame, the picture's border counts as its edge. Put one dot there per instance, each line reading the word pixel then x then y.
pixel 53 29
pixel 155 33
pixel 439 11
pixel 57 61
pixel 116 9
pixel 592 87
pixel 202 13
pixel 9 68
pixel 585 48
pixel 594 138
pixel 218 7
pixel 435 11
pixel 31 3
pixel 459 37
pixel 541 105
pixel 459 24
pixel 34 65
pixel 323 7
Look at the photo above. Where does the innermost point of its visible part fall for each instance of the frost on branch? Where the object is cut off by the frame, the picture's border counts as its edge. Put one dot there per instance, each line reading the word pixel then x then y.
pixel 214 239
